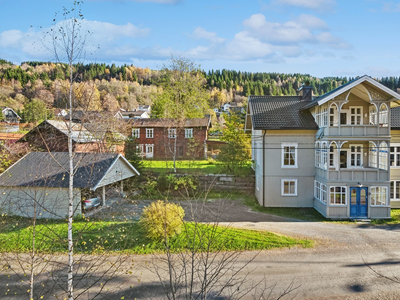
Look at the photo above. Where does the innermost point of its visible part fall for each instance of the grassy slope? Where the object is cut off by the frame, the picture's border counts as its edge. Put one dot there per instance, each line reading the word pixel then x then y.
pixel 129 237
pixel 199 167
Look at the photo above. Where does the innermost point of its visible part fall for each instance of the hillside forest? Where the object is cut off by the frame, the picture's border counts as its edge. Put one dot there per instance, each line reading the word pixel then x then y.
pixel 43 86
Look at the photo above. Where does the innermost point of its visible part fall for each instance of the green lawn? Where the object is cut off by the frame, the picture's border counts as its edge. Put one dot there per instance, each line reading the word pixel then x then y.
pixel 128 237
pixel 199 167
pixel 395 214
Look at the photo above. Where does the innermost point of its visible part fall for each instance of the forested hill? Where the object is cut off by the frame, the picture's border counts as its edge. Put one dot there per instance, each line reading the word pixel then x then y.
pixel 110 86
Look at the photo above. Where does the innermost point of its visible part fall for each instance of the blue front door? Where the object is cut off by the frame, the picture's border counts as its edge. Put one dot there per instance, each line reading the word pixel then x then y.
pixel 359 202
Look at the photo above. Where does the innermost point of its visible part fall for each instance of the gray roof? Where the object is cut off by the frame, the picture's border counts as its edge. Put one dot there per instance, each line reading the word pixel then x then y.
pixel 43 169
pixel 395 118
pixel 280 112
pixel 79 133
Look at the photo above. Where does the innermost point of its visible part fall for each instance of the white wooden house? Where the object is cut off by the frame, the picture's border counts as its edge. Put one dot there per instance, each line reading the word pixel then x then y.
pixel 331 152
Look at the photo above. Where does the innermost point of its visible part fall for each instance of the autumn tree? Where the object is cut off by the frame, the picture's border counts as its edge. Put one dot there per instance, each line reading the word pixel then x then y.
pixel 184 96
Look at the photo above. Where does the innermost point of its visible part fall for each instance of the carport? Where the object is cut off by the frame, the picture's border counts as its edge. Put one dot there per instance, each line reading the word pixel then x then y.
pixel 38 183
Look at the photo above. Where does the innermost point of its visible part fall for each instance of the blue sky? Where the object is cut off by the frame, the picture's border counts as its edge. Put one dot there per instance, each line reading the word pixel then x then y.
pixel 318 37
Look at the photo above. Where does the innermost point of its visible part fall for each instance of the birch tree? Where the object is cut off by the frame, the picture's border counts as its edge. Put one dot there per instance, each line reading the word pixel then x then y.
pixel 68 45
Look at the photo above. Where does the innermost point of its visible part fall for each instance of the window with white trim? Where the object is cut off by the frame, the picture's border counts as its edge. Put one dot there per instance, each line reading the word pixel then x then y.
pixel 149 133
pixel 320 191
pixel 394 155
pixel 289 155
pixel 373 115
pixel 383 154
pixel 383 115
pixel 395 190
pixel 356 157
pixel 373 156
pixel 188 133
pixel 356 115
pixel 337 195
pixel 333 115
pixel 289 187
pixel 332 156
pixel 378 195
pixel 324 156
pixel 317 155
pixel 172 133
pixel 136 132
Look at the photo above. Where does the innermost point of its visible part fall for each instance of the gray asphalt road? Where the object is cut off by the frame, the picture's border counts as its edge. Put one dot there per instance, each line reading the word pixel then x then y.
pixel 344 264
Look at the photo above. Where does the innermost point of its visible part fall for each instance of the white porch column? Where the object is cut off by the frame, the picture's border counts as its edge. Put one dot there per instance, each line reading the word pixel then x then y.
pixel 104 196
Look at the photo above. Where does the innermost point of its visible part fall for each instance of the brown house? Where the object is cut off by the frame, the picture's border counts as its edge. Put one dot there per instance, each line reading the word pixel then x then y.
pixel 161 138
pixel 52 136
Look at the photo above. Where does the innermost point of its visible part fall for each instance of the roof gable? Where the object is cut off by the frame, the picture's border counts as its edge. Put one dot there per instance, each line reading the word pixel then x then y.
pixel 44 169
pixel 346 89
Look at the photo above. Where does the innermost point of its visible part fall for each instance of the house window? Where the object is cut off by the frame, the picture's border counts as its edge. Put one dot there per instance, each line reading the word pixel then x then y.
pixel 332 155
pixel 356 158
pixel 324 156
pixel 289 187
pixel 373 156
pixel 395 190
pixel 373 115
pixel 149 151
pixel 383 153
pixel 383 115
pixel 172 133
pixel 289 155
pixel 136 132
pixel 188 133
pixel 356 115
pixel 378 195
pixel 337 195
pixel 149 133
pixel 317 155
pixel 333 115
pixel 394 156
pixel 320 191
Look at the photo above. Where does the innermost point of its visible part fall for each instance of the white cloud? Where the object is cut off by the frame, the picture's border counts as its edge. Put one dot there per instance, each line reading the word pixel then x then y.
pixel 201 33
pixel 391 7
pixel 105 35
pixel 312 4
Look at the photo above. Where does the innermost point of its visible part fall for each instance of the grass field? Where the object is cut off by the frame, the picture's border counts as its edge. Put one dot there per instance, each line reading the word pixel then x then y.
pixel 129 237
pixel 200 167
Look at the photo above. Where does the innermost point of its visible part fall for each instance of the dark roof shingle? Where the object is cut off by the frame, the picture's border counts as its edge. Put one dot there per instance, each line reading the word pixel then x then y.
pixel 43 169
pixel 280 112
pixel 197 122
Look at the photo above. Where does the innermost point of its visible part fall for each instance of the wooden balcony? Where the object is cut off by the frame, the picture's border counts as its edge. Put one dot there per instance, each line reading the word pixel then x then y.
pixel 356 131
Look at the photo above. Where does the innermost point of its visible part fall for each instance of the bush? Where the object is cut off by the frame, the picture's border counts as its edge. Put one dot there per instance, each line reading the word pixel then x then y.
pixel 162 219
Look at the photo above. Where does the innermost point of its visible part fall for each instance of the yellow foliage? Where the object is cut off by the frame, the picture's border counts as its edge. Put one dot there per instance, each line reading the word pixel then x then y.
pixel 162 219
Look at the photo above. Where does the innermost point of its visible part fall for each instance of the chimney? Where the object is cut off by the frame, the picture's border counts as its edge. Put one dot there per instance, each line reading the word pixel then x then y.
pixel 306 91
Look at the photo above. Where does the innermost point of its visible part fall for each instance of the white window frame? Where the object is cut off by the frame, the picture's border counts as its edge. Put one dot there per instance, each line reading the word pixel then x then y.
pixel 336 193
pixel 149 154
pixel 374 193
pixel 395 190
pixel 171 133
pixel 295 145
pixel 383 157
pixel 283 187
pixel 373 115
pixel 188 133
pixel 332 156
pixel 320 191
pixel 136 133
pixel 384 116
pixel 149 133
pixel 355 115
pixel 350 153
pixel 396 156
pixel 373 156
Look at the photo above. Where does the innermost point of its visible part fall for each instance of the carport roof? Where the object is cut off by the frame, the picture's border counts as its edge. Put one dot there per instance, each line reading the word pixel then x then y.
pixel 44 169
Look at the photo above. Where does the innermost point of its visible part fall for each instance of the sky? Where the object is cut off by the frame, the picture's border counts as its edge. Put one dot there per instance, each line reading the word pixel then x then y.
pixel 317 37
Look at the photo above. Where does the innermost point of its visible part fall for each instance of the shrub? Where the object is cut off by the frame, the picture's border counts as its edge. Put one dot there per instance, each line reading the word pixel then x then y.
pixel 162 219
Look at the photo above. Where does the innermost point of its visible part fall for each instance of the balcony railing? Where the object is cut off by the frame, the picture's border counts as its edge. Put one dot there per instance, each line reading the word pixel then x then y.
pixel 357 130
pixel 358 174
